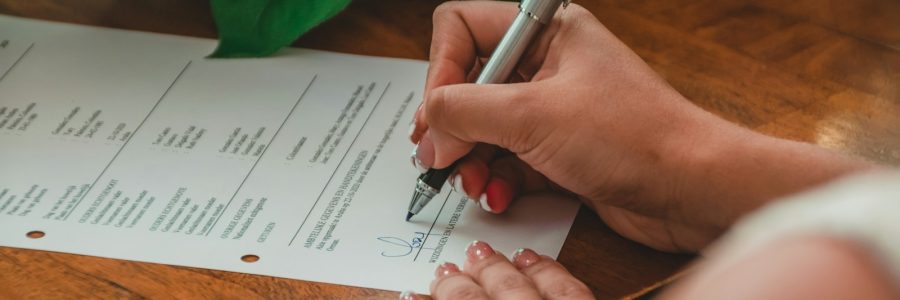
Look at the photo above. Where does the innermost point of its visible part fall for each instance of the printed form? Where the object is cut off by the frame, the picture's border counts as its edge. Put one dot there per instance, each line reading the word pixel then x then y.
pixel 134 146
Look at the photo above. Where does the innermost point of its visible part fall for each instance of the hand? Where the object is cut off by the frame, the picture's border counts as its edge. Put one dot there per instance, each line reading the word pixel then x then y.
pixel 587 116
pixel 489 275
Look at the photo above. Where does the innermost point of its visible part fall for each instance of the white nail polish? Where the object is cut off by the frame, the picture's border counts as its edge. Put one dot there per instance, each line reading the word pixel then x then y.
pixel 412 128
pixel 458 185
pixel 406 295
pixel 451 180
pixel 417 162
pixel 484 204
pixel 412 157
pixel 518 252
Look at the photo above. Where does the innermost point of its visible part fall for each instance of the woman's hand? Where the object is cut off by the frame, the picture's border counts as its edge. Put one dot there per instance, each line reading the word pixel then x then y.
pixel 490 275
pixel 587 116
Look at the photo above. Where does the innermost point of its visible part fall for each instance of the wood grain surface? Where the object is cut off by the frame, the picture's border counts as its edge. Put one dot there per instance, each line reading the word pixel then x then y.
pixel 821 71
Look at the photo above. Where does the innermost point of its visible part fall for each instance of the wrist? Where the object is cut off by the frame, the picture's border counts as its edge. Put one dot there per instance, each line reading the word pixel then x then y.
pixel 701 162
pixel 723 171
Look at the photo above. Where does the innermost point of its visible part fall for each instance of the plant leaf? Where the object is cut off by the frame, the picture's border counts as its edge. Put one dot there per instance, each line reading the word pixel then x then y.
pixel 255 28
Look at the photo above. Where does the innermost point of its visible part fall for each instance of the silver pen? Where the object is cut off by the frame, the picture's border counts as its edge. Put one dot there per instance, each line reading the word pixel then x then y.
pixel 533 14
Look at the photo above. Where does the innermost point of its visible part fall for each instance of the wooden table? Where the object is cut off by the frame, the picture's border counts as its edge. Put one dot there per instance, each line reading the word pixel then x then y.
pixel 821 71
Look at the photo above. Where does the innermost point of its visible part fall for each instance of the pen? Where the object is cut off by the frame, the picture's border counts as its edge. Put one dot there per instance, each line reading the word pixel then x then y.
pixel 524 28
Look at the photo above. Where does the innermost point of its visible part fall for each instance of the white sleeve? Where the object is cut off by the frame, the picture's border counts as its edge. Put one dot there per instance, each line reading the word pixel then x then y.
pixel 864 209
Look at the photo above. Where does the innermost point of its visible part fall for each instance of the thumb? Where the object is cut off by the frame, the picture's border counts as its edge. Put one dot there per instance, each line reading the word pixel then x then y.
pixel 461 115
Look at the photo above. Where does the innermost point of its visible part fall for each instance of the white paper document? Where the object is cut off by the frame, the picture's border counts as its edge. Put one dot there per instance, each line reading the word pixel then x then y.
pixel 135 146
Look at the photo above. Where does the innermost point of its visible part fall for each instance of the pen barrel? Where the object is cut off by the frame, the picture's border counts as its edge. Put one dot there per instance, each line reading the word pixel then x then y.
pixel 523 30
pixel 542 10
pixel 510 49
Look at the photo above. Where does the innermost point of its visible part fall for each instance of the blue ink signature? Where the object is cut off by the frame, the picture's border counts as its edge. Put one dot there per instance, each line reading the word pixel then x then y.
pixel 403 247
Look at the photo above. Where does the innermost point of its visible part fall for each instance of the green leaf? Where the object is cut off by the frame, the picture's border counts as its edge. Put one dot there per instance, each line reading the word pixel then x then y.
pixel 255 28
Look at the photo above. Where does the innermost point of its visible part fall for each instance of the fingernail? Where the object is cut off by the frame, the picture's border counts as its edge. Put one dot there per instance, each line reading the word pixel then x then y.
pixel 409 295
pixel 445 269
pixel 414 158
pixel 415 135
pixel 423 154
pixel 483 200
pixel 418 109
pixel 457 183
pixel 479 250
pixel 497 195
pixel 524 258
pixel 452 180
pixel 412 129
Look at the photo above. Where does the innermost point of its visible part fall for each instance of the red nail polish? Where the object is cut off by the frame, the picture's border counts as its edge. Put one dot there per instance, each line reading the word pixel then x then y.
pixel 524 258
pixel 445 269
pixel 498 194
pixel 479 250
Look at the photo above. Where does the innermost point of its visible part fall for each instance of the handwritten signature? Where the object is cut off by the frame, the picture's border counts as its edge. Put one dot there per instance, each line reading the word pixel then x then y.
pixel 401 247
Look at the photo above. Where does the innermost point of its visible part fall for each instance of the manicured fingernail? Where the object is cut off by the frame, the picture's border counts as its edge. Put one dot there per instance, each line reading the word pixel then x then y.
pixel 457 184
pixel 423 154
pixel 479 250
pixel 497 195
pixel 483 201
pixel 415 134
pixel 446 269
pixel 524 258
pixel 451 180
pixel 414 158
pixel 412 129
pixel 409 295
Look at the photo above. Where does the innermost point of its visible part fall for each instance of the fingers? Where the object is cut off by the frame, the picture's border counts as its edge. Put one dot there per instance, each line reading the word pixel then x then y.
pixel 423 154
pixel 463 114
pixel 510 177
pixel 489 275
pixel 493 182
pixel 472 171
pixel 450 283
pixel 465 34
pixel 455 44
pixel 496 274
pixel 552 280
pixel 410 295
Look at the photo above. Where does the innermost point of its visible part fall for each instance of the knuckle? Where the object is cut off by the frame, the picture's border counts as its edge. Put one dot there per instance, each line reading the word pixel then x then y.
pixel 466 293
pixel 522 132
pixel 444 9
pixel 434 106
pixel 547 266
pixel 579 10
pixel 576 11
pixel 578 18
pixel 541 268
pixel 512 282
pixel 567 289
pixel 562 287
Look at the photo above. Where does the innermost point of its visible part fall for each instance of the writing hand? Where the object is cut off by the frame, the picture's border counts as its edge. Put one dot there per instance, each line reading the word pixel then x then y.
pixel 586 116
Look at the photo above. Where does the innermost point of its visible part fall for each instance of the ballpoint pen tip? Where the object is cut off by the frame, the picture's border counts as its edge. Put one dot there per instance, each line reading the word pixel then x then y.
pixel 409 215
